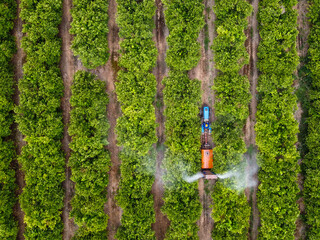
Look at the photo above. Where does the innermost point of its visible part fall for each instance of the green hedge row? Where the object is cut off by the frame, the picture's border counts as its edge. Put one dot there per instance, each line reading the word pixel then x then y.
pixel 90 27
pixel 182 98
pixel 40 120
pixel 89 160
pixel 184 20
pixel 136 128
pixel 231 211
pixel 311 162
pixel 8 226
pixel 276 129
pixel 182 158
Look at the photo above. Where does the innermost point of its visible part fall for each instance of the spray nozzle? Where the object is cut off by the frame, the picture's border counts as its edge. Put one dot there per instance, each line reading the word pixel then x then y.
pixel 207 174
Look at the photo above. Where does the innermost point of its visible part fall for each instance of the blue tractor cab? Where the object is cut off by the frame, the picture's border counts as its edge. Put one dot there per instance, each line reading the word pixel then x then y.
pixel 205 120
pixel 206 114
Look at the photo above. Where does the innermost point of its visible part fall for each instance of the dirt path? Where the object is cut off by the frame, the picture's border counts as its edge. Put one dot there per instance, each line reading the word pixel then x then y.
pixel 18 61
pixel 160 71
pixel 251 71
pixel 206 72
pixel 108 73
pixel 67 71
pixel 302 46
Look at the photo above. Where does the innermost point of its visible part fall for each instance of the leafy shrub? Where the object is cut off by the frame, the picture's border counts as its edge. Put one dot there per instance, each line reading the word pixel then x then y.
pixel 134 197
pixel 136 128
pixel 311 163
pixel 89 160
pixel 184 20
pixel 8 226
pixel 182 98
pixel 182 158
pixel 40 120
pixel 231 212
pixel 90 28
pixel 276 127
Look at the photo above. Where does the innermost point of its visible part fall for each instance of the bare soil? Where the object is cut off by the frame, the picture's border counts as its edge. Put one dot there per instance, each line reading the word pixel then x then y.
pixel 108 73
pixel 302 45
pixel 160 71
pixel 67 71
pixel 69 66
pixel 206 72
pixel 251 71
pixel 18 61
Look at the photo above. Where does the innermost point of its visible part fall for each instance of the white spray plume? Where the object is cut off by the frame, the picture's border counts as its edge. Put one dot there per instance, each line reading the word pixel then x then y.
pixel 229 174
pixel 243 175
pixel 193 178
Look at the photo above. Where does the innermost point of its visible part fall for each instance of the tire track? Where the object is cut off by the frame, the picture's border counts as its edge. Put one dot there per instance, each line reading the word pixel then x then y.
pixel 67 67
pixel 206 73
pixel 18 60
pixel 108 74
pixel 251 71
pixel 160 71
pixel 302 47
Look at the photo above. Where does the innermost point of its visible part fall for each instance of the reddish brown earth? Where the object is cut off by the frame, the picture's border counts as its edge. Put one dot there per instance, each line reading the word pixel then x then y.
pixel 206 72
pixel 18 61
pixel 160 71
pixel 302 46
pixel 108 73
pixel 251 71
pixel 67 71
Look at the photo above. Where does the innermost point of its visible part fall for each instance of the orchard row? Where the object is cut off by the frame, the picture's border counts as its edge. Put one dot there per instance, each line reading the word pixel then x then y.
pixel 136 128
pixel 8 226
pixel 39 119
pixel 231 214
pixel 311 162
pixel 182 98
pixel 276 128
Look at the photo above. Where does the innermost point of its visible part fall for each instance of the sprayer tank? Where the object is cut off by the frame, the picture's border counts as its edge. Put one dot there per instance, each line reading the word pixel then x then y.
pixel 207 158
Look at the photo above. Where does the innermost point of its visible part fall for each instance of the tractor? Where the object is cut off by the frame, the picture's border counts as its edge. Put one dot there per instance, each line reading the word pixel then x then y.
pixel 206 146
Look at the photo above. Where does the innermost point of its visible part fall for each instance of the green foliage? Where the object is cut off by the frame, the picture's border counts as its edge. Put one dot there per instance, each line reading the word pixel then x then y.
pixel 42 197
pixel 232 95
pixel 231 211
pixel 228 46
pixel 136 128
pixel 134 197
pixel 311 162
pixel 182 97
pixel 184 19
pixel 8 226
pixel 40 120
pixel 276 127
pixel 6 103
pixel 89 160
pixel 181 198
pixel 48 234
pixel 90 28
pixel 230 146
pixel 134 19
